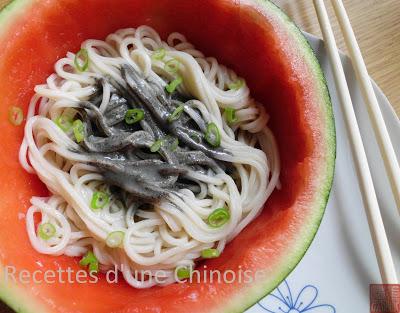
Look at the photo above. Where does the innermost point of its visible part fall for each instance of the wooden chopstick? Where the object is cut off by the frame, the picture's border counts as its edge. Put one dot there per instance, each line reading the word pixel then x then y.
pixel 377 229
pixel 378 123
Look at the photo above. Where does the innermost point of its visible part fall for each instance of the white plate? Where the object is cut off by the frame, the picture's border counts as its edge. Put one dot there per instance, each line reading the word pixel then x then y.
pixel 335 273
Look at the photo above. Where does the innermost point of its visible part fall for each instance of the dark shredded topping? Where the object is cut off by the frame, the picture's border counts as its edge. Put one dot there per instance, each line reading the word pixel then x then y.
pixel 122 151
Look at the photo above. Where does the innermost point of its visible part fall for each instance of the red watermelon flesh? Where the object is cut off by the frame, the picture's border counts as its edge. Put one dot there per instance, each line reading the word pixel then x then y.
pixel 255 39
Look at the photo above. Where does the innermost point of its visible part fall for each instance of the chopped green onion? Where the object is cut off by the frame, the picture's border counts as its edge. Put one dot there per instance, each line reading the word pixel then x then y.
pixel 69 113
pixel 183 272
pixel 172 85
pixel 15 115
pixel 99 200
pixel 172 66
pixel 64 123
pixel 159 54
pixel 156 145
pixel 195 137
pixel 81 60
pixel 236 85
pixel 79 132
pixel 133 116
pixel 174 145
pixel 115 239
pixel 210 253
pixel 176 114
pixel 91 260
pixel 46 231
pixel 230 115
pixel 171 142
pixel 218 217
pixel 212 135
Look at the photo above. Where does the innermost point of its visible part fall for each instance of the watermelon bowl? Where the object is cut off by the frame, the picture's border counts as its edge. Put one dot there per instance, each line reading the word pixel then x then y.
pixel 261 44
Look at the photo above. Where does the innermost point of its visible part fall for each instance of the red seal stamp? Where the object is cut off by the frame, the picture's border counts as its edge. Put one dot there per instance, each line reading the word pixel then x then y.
pixel 384 298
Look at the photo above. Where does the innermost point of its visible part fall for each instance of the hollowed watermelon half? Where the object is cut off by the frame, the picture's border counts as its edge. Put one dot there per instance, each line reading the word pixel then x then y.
pixel 252 37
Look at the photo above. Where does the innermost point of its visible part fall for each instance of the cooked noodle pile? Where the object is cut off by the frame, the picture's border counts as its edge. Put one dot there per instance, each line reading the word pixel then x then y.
pixel 174 231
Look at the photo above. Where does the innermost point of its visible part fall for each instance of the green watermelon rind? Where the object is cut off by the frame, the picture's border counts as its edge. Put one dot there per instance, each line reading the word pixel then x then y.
pixel 9 12
pixel 11 293
pixel 21 301
pixel 249 298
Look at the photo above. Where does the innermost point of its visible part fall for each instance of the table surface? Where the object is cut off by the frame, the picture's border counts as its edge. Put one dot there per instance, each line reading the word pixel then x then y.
pixel 376 24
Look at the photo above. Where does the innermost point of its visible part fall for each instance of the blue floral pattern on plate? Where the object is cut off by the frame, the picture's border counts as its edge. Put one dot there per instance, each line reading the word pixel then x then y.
pixel 282 300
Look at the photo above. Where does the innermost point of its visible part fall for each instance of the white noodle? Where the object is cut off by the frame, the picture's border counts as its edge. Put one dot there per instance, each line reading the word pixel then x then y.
pixel 176 232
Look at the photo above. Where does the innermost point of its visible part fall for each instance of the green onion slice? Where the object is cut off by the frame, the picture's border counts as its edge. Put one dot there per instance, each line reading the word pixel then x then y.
pixel 99 200
pixel 64 123
pixel 183 272
pixel 171 142
pixel 91 260
pixel 78 129
pixel 195 137
pixel 176 114
pixel 210 253
pixel 81 60
pixel 218 217
pixel 213 135
pixel 69 113
pixel 115 239
pixel 133 116
pixel 15 115
pixel 46 231
pixel 236 85
pixel 172 66
pixel 174 145
pixel 156 145
pixel 159 54
pixel 230 115
pixel 172 85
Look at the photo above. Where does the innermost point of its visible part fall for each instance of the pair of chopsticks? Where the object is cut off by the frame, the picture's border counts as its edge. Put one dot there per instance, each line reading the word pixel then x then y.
pixel 377 229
